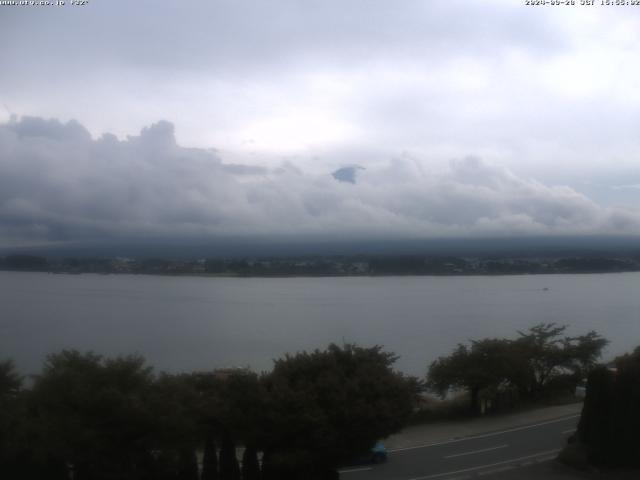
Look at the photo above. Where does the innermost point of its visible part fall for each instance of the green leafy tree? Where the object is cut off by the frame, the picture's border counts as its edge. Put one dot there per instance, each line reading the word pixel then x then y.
pixel 241 404
pixel 229 468
pixel 175 405
pixel 530 363
pixel 240 418
pixel 544 354
pixel 595 425
pixel 174 402
pixel 485 364
pixel 626 412
pixel 11 418
pixel 230 409
pixel 250 464
pixel 326 407
pixel 188 465
pixel 584 352
pixel 610 419
pixel 92 413
pixel 10 381
pixel 210 459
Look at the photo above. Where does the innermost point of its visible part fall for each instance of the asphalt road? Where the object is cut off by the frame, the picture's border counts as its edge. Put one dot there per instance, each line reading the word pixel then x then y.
pixel 472 457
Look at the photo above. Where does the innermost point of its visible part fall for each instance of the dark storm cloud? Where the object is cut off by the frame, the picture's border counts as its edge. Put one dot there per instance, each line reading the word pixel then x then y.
pixel 57 184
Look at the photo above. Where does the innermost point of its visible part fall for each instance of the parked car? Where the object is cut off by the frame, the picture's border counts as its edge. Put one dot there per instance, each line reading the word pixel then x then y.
pixel 377 454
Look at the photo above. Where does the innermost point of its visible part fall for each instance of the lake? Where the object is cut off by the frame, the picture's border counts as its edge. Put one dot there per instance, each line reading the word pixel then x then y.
pixel 200 323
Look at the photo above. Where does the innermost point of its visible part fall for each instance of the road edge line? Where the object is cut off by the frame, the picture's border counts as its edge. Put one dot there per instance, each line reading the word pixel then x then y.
pixel 354 470
pixel 480 467
pixel 473 452
pixel 483 435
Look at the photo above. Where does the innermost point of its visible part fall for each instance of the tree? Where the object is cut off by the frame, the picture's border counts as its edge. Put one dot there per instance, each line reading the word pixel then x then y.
pixel 11 416
pixel 188 464
pixel 326 407
pixel 10 381
pixel 229 468
pixel 544 354
pixel 626 413
pixel 485 364
pixel 583 352
pixel 531 363
pixel 174 404
pixel 18 457
pixel 240 403
pixel 230 408
pixel 610 420
pixel 210 459
pixel 250 464
pixel 91 413
pixel 241 408
pixel 595 425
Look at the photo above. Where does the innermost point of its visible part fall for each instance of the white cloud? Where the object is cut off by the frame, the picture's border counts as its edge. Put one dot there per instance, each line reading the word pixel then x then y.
pixel 57 184
pixel 291 91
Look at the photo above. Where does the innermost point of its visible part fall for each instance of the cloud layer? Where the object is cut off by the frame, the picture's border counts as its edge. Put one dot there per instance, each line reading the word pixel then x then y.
pixel 58 184
pixel 551 93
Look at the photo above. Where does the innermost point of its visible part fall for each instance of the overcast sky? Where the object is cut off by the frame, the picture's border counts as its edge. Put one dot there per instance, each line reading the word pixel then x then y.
pixel 456 118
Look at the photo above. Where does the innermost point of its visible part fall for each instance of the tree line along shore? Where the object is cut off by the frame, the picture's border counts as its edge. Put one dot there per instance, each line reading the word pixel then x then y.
pixel 85 416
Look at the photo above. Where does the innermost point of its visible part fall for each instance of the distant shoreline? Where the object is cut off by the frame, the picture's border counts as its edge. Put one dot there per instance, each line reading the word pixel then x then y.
pixel 329 266
pixel 328 275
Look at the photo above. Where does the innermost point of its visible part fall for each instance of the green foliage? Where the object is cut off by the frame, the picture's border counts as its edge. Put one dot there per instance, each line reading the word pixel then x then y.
pixel 540 360
pixel 173 402
pixel 326 407
pixel 610 418
pixel 547 355
pixel 10 381
pixel 583 352
pixel 188 465
pixel 210 459
pixel 486 364
pixel 250 464
pixel 241 401
pixel 229 468
pixel 100 418
pixel 594 428
pixel 92 412
pixel 11 417
pixel 626 411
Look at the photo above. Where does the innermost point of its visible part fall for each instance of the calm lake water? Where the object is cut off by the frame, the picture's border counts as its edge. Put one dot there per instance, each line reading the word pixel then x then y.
pixel 193 323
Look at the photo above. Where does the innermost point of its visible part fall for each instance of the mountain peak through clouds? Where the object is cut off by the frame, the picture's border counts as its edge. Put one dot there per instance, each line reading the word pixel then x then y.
pixel 347 174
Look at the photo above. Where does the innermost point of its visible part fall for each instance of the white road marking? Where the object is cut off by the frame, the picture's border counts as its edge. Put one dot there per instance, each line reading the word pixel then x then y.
pixel 493 471
pixel 353 470
pixel 571 430
pixel 476 451
pixel 492 434
pixel 481 467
